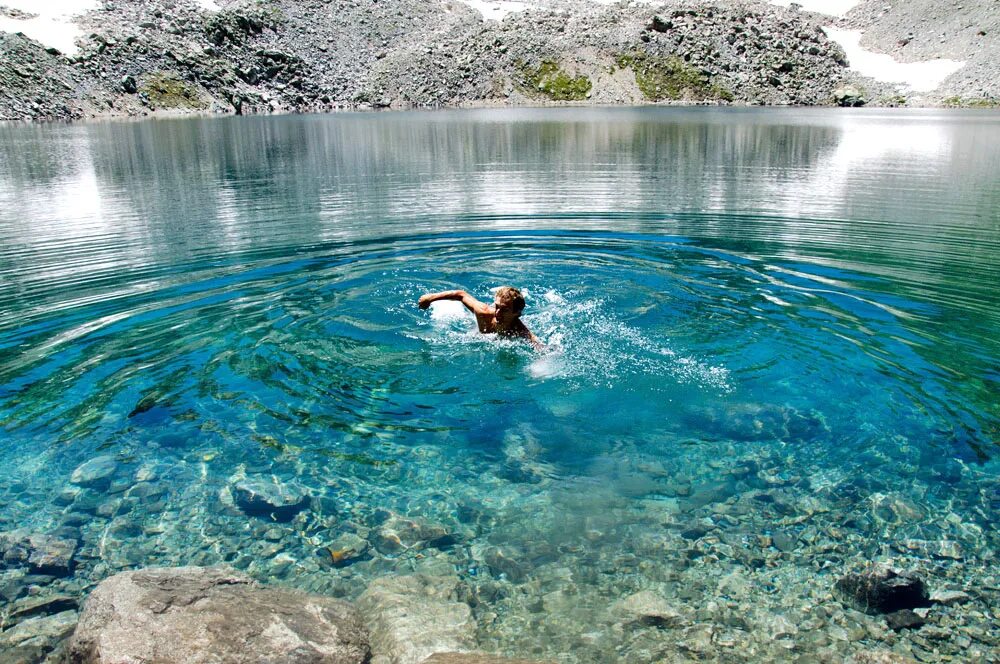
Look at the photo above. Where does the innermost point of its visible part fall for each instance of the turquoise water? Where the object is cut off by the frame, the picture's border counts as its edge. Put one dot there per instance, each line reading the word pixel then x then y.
pixel 772 357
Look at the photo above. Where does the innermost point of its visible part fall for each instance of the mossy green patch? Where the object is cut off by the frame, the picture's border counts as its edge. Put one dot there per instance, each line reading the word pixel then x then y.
pixel 166 90
pixel 552 81
pixel 669 78
pixel 970 102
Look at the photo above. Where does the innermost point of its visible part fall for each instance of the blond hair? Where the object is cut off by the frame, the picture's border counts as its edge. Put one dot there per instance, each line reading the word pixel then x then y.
pixel 513 296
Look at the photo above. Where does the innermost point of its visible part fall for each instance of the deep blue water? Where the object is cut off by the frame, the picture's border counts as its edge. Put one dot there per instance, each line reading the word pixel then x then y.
pixel 772 357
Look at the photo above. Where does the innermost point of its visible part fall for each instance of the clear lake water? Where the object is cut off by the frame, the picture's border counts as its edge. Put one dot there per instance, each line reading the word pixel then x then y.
pixel 772 358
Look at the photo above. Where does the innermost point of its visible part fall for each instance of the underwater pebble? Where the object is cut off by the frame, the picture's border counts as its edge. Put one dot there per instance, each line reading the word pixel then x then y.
pixel 96 472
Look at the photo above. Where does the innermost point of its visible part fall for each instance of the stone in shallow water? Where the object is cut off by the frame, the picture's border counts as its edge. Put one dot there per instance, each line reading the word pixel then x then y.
pixel 38 631
pixel 181 614
pixel 96 472
pixel 42 554
pixel 905 619
pixel 413 617
pixel 883 591
pixel 948 597
pixel 267 498
pixel 399 533
pixel 648 609
pixel 477 658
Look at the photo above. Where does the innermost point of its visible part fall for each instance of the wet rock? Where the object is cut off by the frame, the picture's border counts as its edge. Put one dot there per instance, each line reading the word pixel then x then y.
pixel 413 617
pixel 41 605
pixel 347 549
pixel 506 561
pixel 949 597
pixel 647 609
pixel 43 554
pixel 879 657
pixel 477 658
pixel 40 632
pixel 905 619
pixel 883 591
pixel 180 614
pixel 266 498
pixel 399 533
pixel 96 472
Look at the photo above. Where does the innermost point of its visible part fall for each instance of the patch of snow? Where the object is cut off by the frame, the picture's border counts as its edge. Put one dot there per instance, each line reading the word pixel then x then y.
pixel 828 7
pixel 53 26
pixel 207 5
pixel 918 76
pixel 496 10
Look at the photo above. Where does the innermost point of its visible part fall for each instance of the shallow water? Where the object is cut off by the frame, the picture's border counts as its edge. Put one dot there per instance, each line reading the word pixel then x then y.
pixel 772 356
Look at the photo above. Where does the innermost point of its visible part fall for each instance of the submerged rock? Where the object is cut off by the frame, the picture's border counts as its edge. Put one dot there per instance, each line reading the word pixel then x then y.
pixel 267 498
pixel 96 472
pixel 883 591
pixel 399 533
pixel 949 597
pixel 648 609
pixel 41 632
pixel 476 658
pixel 182 614
pixel 905 619
pixel 41 554
pixel 413 617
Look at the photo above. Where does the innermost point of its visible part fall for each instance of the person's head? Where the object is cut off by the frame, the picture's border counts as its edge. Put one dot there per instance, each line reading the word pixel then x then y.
pixel 509 303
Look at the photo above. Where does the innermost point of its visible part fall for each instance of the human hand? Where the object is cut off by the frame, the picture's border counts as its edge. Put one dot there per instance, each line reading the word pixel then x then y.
pixel 424 301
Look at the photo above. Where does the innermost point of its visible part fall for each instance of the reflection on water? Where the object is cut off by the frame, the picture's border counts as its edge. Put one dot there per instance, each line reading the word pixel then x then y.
pixel 918 189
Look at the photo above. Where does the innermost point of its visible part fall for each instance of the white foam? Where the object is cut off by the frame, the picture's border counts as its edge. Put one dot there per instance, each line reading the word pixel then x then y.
pixel 918 76
pixel 448 311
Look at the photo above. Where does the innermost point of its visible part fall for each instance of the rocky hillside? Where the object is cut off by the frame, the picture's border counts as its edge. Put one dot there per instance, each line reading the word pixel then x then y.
pixel 259 56
pixel 915 30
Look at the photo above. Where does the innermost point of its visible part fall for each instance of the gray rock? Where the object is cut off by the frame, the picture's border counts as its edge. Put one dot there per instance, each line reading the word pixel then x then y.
pixel 883 591
pixel 36 631
pixel 477 658
pixel 905 619
pixel 413 617
pixel 258 496
pixel 40 605
pixel 399 533
pixel 96 472
pixel 182 614
pixel 648 609
pixel 849 95
pixel 42 554
pixel 949 597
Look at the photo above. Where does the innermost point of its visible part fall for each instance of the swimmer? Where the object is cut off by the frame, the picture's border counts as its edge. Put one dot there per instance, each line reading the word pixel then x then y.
pixel 502 318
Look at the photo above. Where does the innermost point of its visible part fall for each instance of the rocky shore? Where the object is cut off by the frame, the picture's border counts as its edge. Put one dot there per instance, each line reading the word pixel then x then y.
pixel 167 56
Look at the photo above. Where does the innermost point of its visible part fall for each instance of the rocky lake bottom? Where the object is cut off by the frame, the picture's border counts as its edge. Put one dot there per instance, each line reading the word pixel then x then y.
pixel 728 552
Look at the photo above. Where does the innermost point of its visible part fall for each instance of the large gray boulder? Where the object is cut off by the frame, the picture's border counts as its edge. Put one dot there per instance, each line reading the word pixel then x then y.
pixel 196 614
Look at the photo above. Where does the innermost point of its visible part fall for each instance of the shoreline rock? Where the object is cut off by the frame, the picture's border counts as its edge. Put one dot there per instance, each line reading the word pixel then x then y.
pixel 176 614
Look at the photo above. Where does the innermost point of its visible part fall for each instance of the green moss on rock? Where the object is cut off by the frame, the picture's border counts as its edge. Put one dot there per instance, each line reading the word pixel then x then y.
pixel 166 91
pixel 669 78
pixel 552 81
pixel 970 102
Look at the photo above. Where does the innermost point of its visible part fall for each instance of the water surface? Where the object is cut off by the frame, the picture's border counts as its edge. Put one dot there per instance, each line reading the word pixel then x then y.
pixel 773 341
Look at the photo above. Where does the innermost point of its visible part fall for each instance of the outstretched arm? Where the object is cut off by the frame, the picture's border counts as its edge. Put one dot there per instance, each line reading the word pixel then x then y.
pixel 471 303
